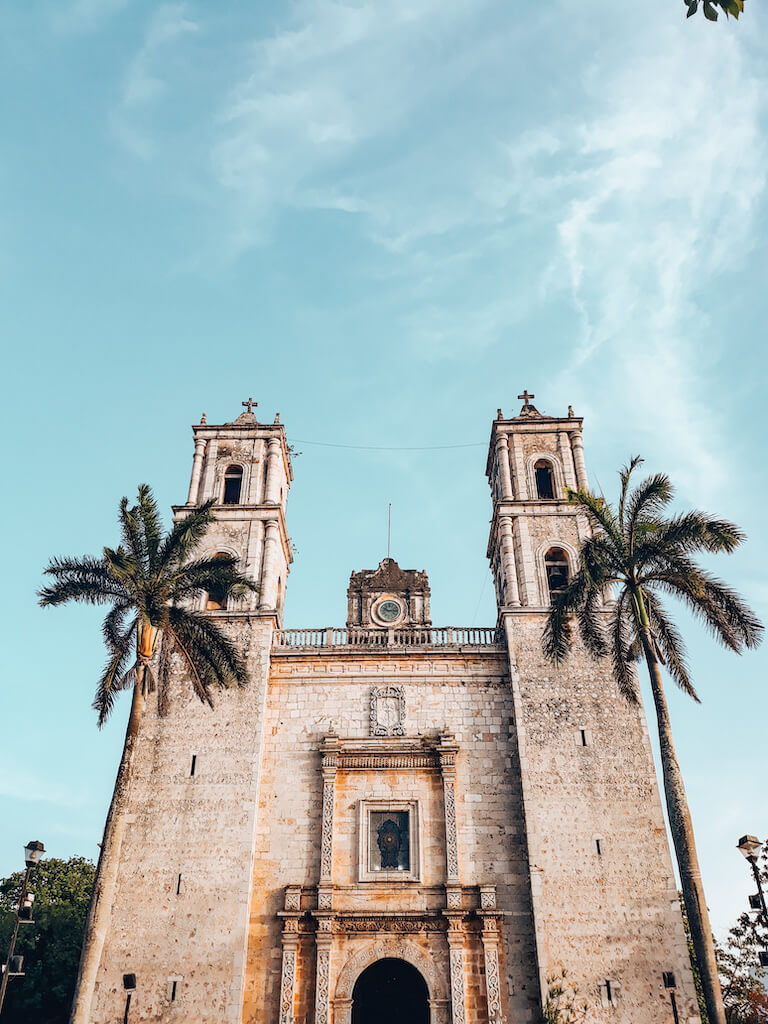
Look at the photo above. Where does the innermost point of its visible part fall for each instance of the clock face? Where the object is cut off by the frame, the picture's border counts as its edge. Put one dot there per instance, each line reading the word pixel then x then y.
pixel 388 610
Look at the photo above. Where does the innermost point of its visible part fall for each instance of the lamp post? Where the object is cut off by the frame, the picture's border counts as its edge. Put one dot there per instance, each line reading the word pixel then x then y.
pixel 751 846
pixel 33 853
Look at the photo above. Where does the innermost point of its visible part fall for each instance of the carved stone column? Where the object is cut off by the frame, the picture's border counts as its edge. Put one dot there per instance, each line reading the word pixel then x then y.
pixel 566 456
pixel 330 762
pixel 456 960
pixel 210 470
pixel 521 483
pixel 324 940
pixel 502 459
pixel 272 489
pixel 490 939
pixel 269 564
pixel 578 459
pixel 529 588
pixel 508 560
pixel 290 941
pixel 197 470
pixel 447 751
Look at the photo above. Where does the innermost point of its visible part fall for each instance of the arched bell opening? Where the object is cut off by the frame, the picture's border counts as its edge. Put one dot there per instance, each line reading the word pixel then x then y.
pixel 390 991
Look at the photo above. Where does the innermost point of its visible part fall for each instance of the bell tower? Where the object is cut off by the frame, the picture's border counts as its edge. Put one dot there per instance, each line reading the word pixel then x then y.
pixel 535 533
pixel 594 827
pixel 246 467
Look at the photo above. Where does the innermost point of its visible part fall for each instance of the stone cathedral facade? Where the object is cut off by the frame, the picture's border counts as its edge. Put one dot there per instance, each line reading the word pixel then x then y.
pixel 395 820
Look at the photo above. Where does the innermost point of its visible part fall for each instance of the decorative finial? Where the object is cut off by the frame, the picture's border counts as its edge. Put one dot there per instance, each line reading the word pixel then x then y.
pixel 571 413
pixel 249 404
pixel 277 417
pixel 526 398
pixel 203 419
pixel 498 415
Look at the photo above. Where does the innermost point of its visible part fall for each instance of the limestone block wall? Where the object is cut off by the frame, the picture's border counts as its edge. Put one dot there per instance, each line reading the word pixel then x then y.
pixel 311 696
pixel 181 910
pixel 609 913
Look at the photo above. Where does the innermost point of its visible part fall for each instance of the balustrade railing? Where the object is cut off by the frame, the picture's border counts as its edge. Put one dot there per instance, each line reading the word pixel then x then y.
pixel 417 636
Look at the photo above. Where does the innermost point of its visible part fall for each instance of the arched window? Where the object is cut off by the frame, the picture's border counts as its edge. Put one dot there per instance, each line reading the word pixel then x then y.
pixel 556 564
pixel 233 482
pixel 216 598
pixel 545 481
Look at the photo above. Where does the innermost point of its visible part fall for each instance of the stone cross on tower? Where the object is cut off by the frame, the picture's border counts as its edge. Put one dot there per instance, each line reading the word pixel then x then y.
pixel 525 396
pixel 250 404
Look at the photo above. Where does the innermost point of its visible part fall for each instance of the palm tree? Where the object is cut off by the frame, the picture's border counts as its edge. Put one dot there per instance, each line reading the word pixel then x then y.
pixel 641 553
pixel 148 581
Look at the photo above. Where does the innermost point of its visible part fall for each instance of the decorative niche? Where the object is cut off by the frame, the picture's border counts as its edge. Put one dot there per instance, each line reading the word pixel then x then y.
pixel 389 847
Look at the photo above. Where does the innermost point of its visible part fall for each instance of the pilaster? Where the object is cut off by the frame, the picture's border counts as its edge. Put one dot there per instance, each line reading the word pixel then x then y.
pixel 197 469
pixel 447 751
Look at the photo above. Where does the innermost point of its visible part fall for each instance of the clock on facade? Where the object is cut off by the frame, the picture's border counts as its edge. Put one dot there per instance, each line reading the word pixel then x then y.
pixel 388 610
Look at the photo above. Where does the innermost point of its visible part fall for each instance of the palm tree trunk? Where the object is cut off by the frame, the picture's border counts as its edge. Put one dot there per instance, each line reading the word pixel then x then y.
pixel 100 907
pixel 685 845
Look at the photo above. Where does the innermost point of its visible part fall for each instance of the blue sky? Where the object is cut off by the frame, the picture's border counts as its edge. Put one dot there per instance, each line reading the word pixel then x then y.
pixel 383 220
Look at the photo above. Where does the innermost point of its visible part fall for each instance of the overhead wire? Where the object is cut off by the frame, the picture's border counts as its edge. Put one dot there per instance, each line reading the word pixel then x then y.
pixel 389 448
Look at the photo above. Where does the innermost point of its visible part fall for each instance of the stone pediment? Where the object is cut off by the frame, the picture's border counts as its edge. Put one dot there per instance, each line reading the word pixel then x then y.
pixel 389 576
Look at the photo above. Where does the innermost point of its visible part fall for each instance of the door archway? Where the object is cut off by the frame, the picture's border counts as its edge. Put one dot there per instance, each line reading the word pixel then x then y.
pixel 388 991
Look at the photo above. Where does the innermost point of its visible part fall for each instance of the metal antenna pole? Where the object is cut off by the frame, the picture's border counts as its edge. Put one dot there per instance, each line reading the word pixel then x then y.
pixel 389 527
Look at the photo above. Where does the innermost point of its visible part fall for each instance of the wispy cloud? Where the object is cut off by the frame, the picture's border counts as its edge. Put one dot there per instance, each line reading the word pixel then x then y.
pixel 663 207
pixel 626 195
pixel 146 80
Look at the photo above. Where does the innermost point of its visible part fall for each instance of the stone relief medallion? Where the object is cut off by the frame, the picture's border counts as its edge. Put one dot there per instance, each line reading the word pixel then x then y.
pixel 388 711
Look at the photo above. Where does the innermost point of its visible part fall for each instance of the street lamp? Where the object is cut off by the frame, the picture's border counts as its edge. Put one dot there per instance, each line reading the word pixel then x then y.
pixel 12 968
pixel 751 846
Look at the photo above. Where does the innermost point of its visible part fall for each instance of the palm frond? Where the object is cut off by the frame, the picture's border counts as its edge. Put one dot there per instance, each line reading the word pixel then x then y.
pixel 85 579
pixel 622 649
pixel 132 533
pixel 696 531
pixel 600 514
pixel 186 534
pixel 206 574
pixel 722 610
pixel 114 678
pixel 624 475
pixel 164 673
pixel 151 525
pixel 215 659
pixel 591 623
pixel 646 502
pixel 671 642
pixel 557 639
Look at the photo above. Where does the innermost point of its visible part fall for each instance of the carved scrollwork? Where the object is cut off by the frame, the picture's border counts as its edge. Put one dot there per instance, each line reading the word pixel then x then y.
pixel 323 987
pixel 326 842
pixel 287 986
pixel 457 986
pixel 400 925
pixel 451 838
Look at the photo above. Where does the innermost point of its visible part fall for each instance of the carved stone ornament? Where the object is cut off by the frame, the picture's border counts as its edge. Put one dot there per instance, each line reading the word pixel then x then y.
pixel 287 986
pixel 388 711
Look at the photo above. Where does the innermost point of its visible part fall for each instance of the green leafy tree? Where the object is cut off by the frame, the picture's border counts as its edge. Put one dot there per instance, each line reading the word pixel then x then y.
pixel 744 995
pixel 51 944
pixel 732 8
pixel 148 581
pixel 640 553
